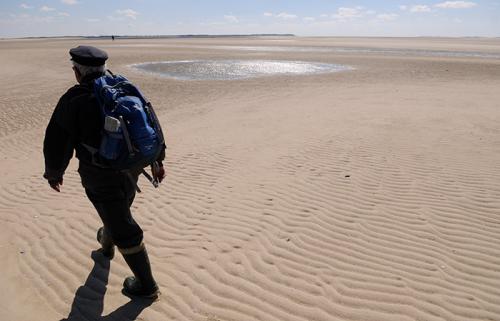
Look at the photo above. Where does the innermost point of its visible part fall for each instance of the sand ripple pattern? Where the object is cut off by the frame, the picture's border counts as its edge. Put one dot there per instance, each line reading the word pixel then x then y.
pixel 349 234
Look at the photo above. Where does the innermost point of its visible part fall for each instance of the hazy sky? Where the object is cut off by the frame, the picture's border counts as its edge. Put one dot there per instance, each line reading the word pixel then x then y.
pixel 300 17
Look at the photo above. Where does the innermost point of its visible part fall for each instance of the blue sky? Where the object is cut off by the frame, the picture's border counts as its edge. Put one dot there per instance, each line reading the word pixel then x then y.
pixel 300 17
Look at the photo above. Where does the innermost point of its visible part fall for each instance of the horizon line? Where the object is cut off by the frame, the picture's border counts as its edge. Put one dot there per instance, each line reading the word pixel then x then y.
pixel 229 36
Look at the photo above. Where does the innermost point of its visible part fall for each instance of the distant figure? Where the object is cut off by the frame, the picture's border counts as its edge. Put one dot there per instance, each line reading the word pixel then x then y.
pixel 77 123
pixel 113 38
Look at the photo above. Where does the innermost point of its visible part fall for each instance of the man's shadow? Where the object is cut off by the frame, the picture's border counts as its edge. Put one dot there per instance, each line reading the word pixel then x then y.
pixel 88 303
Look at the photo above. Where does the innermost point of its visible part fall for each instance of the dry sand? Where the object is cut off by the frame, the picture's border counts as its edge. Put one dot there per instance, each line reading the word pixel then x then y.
pixel 372 194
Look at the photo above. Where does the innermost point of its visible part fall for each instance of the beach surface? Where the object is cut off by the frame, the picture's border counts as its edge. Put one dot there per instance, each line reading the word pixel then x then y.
pixel 366 194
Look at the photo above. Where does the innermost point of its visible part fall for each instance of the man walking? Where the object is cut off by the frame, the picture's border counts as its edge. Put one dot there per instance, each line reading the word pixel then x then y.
pixel 76 125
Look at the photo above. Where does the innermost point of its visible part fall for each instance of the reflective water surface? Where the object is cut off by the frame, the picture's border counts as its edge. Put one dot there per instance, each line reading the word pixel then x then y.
pixel 234 69
pixel 341 50
pixel 361 50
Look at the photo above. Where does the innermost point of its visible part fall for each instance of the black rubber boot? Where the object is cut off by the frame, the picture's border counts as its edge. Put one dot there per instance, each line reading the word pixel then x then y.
pixel 107 246
pixel 142 284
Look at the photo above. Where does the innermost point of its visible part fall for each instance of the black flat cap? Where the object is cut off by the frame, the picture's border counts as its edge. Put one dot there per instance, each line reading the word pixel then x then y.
pixel 88 56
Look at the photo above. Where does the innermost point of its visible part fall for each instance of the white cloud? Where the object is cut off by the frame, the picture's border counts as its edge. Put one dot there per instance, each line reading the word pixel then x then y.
pixel 309 19
pixel 69 2
pixel 92 20
pixel 403 8
pixel 25 6
pixel 129 13
pixel 387 16
pixel 46 9
pixel 282 15
pixel 63 14
pixel 344 13
pixel 231 19
pixel 456 5
pixel 420 8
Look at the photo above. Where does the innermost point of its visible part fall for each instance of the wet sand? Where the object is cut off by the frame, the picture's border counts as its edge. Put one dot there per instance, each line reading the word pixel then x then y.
pixel 369 194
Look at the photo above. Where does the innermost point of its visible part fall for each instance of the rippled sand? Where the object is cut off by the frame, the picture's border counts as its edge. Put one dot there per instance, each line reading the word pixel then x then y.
pixel 371 194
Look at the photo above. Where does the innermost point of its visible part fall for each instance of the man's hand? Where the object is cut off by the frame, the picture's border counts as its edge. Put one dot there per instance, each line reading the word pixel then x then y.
pixel 158 171
pixel 55 179
pixel 56 184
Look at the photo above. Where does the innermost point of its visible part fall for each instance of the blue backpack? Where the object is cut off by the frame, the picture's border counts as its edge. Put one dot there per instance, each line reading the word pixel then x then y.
pixel 132 137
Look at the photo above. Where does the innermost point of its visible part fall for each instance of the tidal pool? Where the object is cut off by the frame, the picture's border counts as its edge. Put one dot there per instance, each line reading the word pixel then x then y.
pixel 234 69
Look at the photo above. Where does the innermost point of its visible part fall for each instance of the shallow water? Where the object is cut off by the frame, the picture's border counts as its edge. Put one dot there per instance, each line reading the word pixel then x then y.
pixel 354 50
pixel 388 51
pixel 234 69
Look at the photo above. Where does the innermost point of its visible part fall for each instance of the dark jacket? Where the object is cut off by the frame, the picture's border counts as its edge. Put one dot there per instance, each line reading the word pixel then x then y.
pixel 76 119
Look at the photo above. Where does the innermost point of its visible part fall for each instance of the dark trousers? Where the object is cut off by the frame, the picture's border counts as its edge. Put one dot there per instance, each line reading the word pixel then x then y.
pixel 112 193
